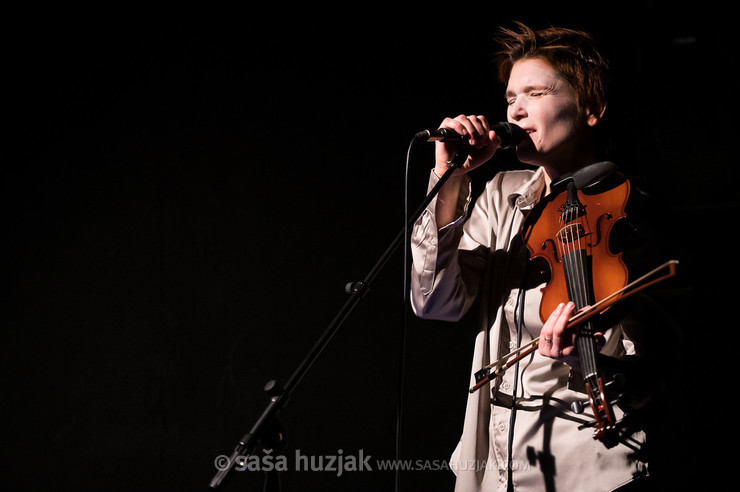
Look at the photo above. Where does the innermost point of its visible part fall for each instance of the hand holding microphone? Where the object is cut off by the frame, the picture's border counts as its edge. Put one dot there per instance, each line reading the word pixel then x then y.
pixel 481 139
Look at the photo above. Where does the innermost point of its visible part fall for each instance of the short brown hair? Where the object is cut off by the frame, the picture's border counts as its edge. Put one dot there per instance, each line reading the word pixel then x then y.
pixel 573 54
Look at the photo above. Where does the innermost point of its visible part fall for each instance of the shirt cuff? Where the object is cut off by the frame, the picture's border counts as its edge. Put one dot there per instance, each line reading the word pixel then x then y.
pixel 463 201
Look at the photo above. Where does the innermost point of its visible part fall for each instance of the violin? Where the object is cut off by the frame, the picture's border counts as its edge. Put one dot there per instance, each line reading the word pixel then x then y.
pixel 570 229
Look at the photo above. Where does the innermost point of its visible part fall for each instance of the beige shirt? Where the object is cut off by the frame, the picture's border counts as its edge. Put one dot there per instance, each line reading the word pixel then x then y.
pixel 482 257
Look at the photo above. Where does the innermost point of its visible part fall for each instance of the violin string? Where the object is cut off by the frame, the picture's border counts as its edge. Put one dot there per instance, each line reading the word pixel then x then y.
pixel 572 252
pixel 578 256
pixel 567 253
pixel 590 355
pixel 589 361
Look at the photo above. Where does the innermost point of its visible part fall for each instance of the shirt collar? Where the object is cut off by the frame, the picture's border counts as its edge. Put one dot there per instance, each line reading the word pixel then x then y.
pixel 529 192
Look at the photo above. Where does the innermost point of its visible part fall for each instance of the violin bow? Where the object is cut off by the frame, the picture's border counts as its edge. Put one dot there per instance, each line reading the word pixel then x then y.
pixel 645 281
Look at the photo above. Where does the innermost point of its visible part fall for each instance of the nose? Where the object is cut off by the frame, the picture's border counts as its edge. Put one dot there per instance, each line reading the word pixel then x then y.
pixel 517 110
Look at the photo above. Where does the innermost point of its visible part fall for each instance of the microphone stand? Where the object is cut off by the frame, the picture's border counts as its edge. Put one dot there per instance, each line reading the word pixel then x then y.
pixel 267 428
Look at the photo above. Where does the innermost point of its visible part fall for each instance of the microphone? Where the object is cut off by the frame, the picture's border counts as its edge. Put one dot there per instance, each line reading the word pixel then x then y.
pixel 509 133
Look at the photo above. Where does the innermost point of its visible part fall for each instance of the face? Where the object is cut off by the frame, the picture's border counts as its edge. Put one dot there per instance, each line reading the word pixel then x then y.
pixel 543 103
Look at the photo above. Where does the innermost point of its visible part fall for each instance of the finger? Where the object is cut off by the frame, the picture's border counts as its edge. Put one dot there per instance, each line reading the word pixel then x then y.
pixel 600 339
pixel 455 124
pixel 561 338
pixel 545 345
pixel 480 134
pixel 464 126
pixel 446 150
pixel 493 136
pixel 478 124
pixel 484 122
pixel 472 127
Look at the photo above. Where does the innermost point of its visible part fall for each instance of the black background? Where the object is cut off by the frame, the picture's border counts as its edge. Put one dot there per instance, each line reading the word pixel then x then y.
pixel 187 195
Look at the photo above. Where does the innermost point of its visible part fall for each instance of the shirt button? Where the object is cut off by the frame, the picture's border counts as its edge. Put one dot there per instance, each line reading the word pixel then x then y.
pixel 502 426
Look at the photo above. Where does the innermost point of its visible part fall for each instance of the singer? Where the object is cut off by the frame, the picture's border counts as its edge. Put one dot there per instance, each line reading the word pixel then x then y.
pixel 521 424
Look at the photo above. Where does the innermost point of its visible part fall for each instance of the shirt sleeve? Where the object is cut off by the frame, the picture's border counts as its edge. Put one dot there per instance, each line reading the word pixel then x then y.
pixel 444 280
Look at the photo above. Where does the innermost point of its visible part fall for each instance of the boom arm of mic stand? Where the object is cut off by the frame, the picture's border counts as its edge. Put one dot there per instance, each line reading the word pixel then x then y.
pixel 280 396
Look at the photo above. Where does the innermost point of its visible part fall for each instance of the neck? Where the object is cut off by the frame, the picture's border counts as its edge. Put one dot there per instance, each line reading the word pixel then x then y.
pixel 554 168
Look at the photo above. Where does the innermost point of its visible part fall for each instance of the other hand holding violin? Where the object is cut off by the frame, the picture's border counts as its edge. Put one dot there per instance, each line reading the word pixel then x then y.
pixel 558 341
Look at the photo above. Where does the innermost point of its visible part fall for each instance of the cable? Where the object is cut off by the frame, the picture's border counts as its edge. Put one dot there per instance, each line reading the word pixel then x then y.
pixel 402 347
pixel 518 322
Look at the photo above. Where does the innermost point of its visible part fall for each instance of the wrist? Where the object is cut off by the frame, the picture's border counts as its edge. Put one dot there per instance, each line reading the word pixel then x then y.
pixel 440 171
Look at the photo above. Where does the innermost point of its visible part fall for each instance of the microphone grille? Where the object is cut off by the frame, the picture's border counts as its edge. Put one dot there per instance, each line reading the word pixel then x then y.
pixel 510 134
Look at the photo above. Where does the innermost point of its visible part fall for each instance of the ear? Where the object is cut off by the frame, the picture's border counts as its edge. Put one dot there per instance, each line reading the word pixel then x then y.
pixel 593 117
